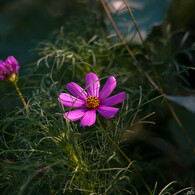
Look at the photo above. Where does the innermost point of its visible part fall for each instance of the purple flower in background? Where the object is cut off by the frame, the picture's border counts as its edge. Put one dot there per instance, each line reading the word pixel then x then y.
pixel 42 171
pixel 9 69
pixel 90 101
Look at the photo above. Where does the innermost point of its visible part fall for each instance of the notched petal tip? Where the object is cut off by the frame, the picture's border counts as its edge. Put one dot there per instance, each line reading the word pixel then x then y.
pixel 123 95
pixel 59 100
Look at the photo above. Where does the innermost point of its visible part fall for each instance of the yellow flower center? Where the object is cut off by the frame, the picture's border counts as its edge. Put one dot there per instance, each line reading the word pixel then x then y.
pixel 92 102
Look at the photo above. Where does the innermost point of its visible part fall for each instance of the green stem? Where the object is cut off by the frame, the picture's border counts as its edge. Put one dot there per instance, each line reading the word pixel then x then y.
pixel 137 64
pixel 157 85
pixel 127 158
pixel 158 82
pixel 77 164
pixel 21 96
pixel 144 44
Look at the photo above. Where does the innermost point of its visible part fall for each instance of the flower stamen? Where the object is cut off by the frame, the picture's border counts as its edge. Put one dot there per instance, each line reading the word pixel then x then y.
pixel 10 68
pixel 3 73
pixel 92 102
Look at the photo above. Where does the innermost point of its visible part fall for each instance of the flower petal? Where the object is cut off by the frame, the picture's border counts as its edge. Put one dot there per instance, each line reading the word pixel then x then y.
pixel 2 77
pixel 77 91
pixel 89 118
pixel 75 114
pixel 2 63
pixel 70 101
pixel 93 90
pixel 13 63
pixel 113 100
pixel 107 111
pixel 4 69
pixel 108 88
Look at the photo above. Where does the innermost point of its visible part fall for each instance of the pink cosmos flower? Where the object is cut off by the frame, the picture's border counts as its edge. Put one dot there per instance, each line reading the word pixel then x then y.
pixel 90 101
pixel 9 68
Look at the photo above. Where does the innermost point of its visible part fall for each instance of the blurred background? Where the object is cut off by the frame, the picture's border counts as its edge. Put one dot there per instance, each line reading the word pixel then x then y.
pixel 24 23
